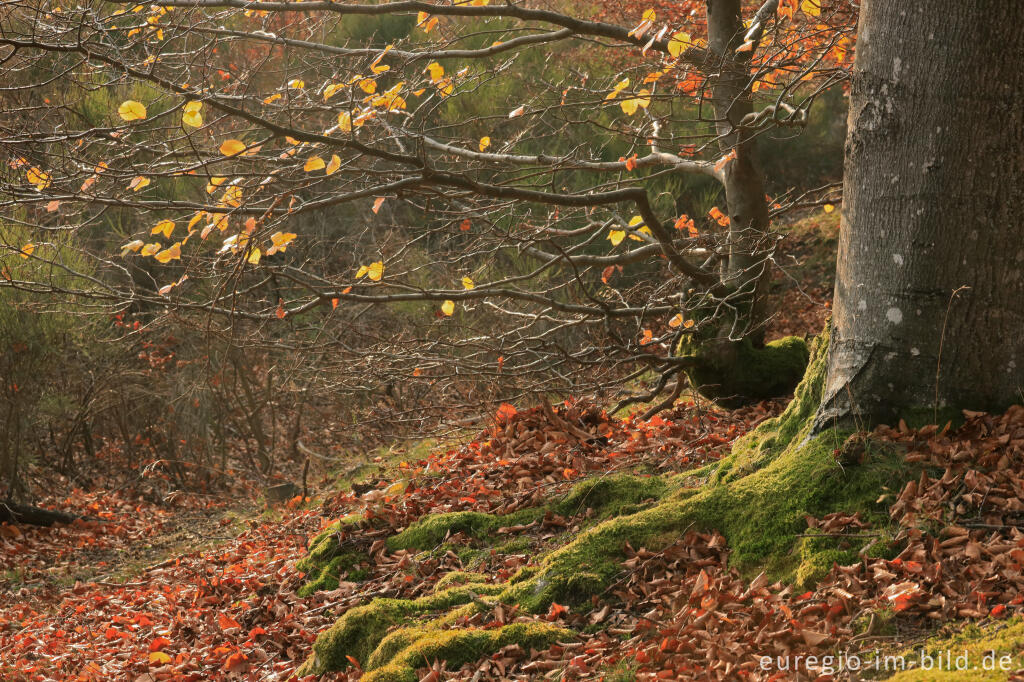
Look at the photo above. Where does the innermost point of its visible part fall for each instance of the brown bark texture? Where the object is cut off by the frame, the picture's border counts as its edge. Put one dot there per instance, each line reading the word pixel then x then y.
pixel 929 298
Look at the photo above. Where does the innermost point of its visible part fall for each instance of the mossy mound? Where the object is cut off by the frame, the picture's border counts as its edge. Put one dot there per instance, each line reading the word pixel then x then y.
pixel 430 531
pixel 359 632
pixel 327 562
pixel 736 373
pixel 459 578
pixel 612 495
pixel 816 554
pixel 404 650
pixel 328 574
pixel 980 650
pixel 758 497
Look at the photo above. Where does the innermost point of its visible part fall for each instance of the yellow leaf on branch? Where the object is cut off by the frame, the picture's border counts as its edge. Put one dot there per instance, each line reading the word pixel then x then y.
pixel 172 253
pixel 164 227
pixel 191 116
pixel 232 147
pixel 130 110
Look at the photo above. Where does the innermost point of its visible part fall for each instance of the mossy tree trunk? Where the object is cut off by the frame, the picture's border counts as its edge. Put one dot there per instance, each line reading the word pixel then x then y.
pixel 730 363
pixel 929 298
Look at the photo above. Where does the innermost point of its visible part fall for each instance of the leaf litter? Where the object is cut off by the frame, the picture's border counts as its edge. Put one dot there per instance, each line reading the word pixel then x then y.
pixel 677 612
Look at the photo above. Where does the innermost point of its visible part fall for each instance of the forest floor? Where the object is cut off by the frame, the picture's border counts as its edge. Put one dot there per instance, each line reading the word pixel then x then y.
pixel 191 587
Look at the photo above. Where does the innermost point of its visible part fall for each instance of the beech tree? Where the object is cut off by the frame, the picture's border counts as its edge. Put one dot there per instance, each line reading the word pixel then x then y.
pixel 531 190
pixel 929 297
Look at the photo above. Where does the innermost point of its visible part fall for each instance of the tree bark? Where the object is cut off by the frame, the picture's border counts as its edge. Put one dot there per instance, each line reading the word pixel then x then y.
pixel 746 268
pixel 929 297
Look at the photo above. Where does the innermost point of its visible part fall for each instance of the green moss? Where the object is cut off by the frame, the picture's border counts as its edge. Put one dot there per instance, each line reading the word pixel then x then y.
pixel 756 449
pixel 430 531
pixel 326 560
pixel 457 578
pixel 329 574
pixel 360 630
pixel 994 640
pixel 609 495
pixel 758 497
pixel 403 651
pixel 818 552
pixel 734 373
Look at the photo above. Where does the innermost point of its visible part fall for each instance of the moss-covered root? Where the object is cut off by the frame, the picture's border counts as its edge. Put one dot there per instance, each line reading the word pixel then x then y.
pixel 430 531
pixel 612 495
pixel 326 560
pixel 759 498
pixel 991 652
pixel 405 650
pixel 734 373
pixel 361 629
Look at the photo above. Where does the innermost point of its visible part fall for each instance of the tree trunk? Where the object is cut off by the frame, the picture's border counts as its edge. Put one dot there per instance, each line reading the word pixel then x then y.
pixel 746 269
pixel 929 298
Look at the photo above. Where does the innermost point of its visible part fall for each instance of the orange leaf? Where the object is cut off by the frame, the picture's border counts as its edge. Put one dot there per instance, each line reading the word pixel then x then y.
pixel 232 147
pixel 280 315
pixel 719 217
pixel 159 643
pixel 237 662
pixel 556 610
pixel 505 412
pixel 225 621
pixel 376 203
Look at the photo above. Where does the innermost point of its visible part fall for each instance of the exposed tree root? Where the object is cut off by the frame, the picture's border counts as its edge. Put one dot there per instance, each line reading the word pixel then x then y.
pixel 12 512
pixel 758 497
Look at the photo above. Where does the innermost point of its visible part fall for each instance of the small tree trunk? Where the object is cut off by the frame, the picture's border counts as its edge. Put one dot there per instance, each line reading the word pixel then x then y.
pixel 746 269
pixel 929 298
